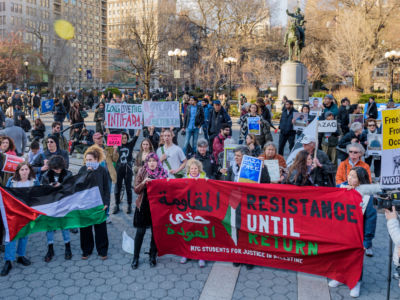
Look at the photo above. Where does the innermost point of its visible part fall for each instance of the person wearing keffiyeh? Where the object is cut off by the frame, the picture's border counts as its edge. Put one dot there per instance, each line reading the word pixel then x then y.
pixel 152 169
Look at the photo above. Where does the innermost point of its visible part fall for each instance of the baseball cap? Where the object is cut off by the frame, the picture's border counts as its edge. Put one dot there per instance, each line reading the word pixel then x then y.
pixel 307 139
pixel 217 102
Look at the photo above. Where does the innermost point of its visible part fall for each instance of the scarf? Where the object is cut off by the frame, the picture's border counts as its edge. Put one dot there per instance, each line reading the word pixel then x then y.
pixel 159 172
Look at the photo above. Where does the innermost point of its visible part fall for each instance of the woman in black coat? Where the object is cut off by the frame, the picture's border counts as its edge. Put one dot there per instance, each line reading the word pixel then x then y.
pixel 93 156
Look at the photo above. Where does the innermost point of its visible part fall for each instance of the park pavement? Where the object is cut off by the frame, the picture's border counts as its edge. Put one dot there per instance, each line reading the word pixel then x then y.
pixel 114 278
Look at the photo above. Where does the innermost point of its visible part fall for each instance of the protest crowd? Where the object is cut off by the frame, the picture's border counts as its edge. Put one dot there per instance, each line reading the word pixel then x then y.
pixel 338 158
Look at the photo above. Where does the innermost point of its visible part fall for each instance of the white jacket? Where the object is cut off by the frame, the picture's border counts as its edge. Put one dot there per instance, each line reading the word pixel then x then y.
pixel 394 231
pixel 366 191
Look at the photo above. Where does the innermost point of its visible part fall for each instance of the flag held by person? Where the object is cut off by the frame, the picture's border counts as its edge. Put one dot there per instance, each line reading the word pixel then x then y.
pixel 76 203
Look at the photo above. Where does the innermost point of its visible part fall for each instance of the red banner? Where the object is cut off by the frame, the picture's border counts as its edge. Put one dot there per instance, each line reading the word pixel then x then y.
pixel 314 230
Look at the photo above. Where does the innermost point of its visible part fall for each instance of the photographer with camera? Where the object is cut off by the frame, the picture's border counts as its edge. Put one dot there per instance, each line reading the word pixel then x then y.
pixel 393 226
pixel 358 179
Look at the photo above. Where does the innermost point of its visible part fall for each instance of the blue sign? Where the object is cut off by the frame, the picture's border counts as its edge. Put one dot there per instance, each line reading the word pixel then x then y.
pixel 88 74
pixel 47 105
pixel 254 125
pixel 250 169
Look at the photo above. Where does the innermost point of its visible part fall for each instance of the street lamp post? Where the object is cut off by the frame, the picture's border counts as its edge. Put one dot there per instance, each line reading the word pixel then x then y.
pixel 177 53
pixel 229 61
pixel 26 64
pixel 79 78
pixel 392 57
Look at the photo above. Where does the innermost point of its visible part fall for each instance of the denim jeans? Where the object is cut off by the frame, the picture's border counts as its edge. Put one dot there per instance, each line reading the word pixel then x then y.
pixel 33 112
pixel 370 217
pixel 194 134
pixel 65 234
pixel 11 249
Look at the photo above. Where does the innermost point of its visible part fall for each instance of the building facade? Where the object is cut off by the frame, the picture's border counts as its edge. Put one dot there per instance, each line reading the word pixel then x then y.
pixel 34 19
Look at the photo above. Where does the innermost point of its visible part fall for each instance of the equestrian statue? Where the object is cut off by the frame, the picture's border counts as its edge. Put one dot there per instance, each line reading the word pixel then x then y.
pixel 295 35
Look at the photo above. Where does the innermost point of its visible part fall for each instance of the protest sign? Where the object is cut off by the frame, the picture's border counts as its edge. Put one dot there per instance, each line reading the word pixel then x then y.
pixel 229 156
pixel 163 114
pixel 250 169
pixel 356 118
pixel 275 225
pixel 315 105
pixel 327 126
pixel 114 140
pixel 374 146
pixel 11 163
pixel 390 171
pixel 47 105
pixel 273 169
pixel 253 124
pixel 300 121
pixel 122 115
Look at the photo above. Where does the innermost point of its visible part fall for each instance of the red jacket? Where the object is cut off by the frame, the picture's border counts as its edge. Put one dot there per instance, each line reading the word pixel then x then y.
pixel 218 146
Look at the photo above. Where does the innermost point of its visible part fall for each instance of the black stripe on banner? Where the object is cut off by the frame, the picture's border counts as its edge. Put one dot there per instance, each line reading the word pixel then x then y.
pixel 45 194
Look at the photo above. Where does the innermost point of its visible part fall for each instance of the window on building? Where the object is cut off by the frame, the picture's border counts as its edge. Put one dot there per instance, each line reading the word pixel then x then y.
pixel 2 20
pixel 2 6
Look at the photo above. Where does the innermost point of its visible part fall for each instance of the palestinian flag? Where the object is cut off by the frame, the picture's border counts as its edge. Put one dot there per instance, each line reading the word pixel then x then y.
pixel 233 216
pixel 76 203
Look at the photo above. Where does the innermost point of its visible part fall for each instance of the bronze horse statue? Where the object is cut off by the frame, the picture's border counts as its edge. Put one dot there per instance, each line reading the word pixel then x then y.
pixel 294 40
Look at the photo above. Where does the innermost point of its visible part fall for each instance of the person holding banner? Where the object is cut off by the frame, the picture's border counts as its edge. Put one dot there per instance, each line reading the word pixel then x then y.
pixel 244 125
pixel 92 158
pixel 359 179
pixel 124 170
pixel 24 177
pixel 55 176
pixel 7 145
pixel 152 169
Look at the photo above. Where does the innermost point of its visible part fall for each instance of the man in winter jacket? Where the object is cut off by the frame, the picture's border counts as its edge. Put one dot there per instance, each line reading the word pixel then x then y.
pixel 202 155
pixel 192 121
pixel 218 143
pixel 17 134
pixel 59 112
pixel 343 116
pixel 329 105
pixel 207 109
pixel 56 130
pixel 217 117
pixel 35 105
pixel 372 110
pixel 286 127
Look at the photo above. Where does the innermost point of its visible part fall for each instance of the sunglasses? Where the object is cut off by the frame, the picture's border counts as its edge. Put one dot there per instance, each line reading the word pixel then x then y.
pixel 372 125
pixel 50 142
pixel 354 152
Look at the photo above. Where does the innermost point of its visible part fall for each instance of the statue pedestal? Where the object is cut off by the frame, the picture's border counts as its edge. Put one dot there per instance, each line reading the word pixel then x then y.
pixel 293 84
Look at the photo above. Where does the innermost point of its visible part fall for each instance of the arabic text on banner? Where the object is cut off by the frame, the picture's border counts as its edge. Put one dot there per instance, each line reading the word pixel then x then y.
pixel 315 230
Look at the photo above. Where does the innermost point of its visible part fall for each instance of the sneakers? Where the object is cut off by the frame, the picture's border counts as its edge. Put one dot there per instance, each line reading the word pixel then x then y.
pixel 334 283
pixel 183 260
pixel 108 220
pixel 355 291
pixel 202 263
pixel 369 252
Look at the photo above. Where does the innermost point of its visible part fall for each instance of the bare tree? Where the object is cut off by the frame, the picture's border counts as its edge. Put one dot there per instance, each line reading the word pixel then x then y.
pixel 12 51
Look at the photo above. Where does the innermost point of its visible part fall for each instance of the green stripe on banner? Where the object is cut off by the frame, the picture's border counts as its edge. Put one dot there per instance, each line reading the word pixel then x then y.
pixel 74 219
pixel 227 221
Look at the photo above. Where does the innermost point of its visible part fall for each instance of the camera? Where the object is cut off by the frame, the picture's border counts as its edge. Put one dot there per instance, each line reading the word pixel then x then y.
pixel 387 200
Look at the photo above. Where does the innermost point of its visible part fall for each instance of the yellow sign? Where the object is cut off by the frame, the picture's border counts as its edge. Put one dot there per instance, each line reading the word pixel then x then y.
pixel 391 129
pixel 64 29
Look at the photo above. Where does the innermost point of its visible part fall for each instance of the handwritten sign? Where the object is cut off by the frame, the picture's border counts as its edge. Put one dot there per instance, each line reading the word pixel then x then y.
pixel 273 169
pixel 250 169
pixel 121 115
pixel 254 125
pixel 11 163
pixel 114 140
pixel 327 126
pixel 161 114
